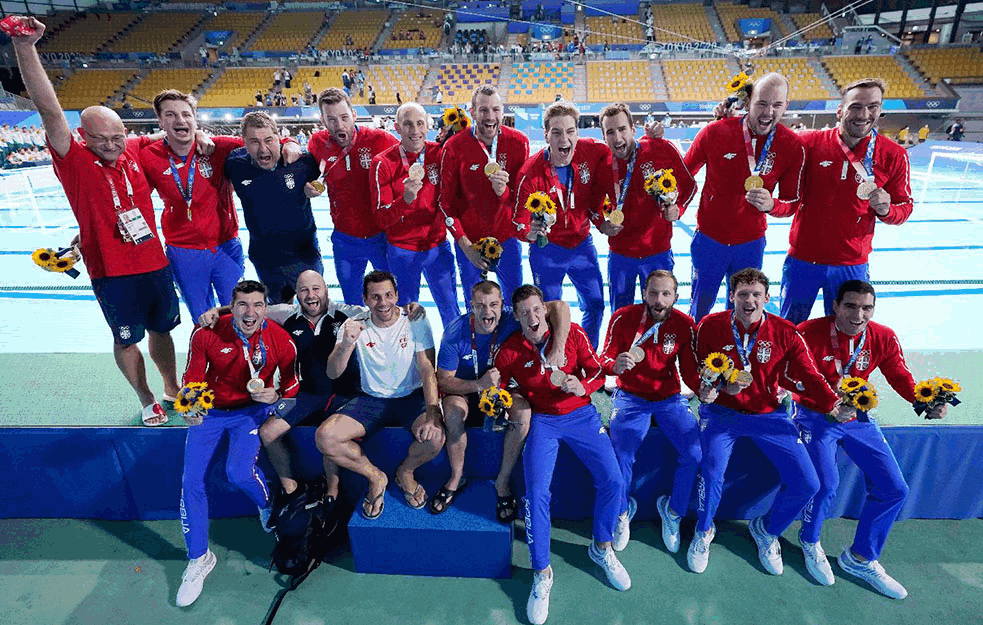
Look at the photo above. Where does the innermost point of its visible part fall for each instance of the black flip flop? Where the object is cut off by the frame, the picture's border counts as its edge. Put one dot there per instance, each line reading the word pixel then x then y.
pixel 444 497
pixel 506 508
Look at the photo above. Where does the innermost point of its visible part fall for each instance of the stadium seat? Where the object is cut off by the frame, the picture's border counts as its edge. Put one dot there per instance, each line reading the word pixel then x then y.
pixel 242 25
pixel 533 83
pixel 289 31
pixel 237 87
pixel 413 23
pixel 186 80
pixel 89 33
pixel 615 30
pixel 682 19
pixel 959 65
pixel 158 33
pixel 458 81
pixel 822 31
pixel 730 13
pixel 620 81
pixel 804 84
pixel 846 69
pixel 363 26
pixel 88 87
pixel 697 79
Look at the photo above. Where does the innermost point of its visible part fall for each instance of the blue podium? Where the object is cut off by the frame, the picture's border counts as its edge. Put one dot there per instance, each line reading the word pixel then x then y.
pixel 464 541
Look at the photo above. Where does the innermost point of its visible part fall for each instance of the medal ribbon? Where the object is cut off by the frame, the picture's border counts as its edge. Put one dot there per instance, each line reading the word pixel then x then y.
pixel 260 349
pixel 561 191
pixel 344 154
pixel 186 192
pixel 492 348
pixel 855 352
pixel 743 348
pixel 117 204
pixel 865 169
pixel 493 155
pixel 755 166
pixel 641 337
pixel 542 356
pixel 621 188
pixel 419 159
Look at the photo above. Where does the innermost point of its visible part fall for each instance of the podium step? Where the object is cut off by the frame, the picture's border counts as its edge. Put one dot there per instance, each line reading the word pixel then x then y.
pixel 464 541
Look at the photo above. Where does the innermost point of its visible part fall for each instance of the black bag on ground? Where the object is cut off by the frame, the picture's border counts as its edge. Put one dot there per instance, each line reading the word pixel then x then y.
pixel 307 528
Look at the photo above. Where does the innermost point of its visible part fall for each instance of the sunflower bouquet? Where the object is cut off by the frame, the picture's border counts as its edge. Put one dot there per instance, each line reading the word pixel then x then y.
pixel 542 208
pixel 662 185
pixel 859 393
pixel 739 89
pixel 718 368
pixel 58 261
pixel 455 119
pixel 490 250
pixel 194 401
pixel 934 392
pixel 493 403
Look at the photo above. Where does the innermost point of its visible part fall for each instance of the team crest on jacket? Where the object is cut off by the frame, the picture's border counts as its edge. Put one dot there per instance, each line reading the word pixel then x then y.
pixel 584 174
pixel 668 343
pixel 769 163
pixel 863 360
pixel 288 179
pixel 433 174
pixel 365 157
pixel 205 167
pixel 764 351
pixel 648 169
pixel 503 161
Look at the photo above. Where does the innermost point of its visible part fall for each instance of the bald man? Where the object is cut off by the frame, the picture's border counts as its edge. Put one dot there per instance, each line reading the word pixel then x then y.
pixel 746 158
pixel 109 196
pixel 404 183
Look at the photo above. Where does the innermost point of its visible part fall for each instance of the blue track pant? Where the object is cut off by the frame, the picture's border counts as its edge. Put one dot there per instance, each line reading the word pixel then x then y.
pixel 778 438
pixel 351 255
pixel 864 443
pixel 802 280
pixel 715 262
pixel 583 432
pixel 552 263
pixel 626 274
pixel 201 275
pixel 631 417
pixel 243 427
pixel 508 275
pixel 438 265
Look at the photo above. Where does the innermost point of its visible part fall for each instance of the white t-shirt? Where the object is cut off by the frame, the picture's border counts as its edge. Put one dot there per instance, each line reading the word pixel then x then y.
pixel 386 356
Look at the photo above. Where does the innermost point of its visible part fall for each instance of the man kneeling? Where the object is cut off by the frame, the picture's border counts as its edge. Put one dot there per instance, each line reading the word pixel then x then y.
pixel 399 387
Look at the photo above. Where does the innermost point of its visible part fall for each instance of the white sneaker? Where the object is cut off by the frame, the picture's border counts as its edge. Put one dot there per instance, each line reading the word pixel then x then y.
pixel 622 532
pixel 698 554
pixel 264 518
pixel 769 551
pixel 816 563
pixel 873 573
pixel 670 524
pixel 605 558
pixel 194 578
pixel 538 606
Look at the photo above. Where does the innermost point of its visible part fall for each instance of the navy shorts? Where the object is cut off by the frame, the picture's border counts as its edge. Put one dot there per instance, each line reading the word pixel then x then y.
pixel 281 278
pixel 134 304
pixel 312 409
pixel 475 418
pixel 375 413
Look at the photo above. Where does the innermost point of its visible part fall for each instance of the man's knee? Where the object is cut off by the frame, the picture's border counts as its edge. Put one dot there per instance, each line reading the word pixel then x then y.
pixel 272 429
pixel 331 435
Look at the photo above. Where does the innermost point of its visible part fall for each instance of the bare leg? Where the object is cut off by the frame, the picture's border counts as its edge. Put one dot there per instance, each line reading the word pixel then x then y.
pixel 418 455
pixel 520 417
pixel 455 413
pixel 334 439
pixel 161 348
pixel 130 362
pixel 271 433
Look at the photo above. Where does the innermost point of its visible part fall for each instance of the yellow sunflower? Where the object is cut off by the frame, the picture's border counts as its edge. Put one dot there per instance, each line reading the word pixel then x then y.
pixel 505 397
pixel 737 82
pixel 451 116
pixel 717 362
pixel 851 384
pixel 667 182
pixel 487 406
pixel 926 392
pixel 493 250
pixel 182 404
pixel 731 375
pixel 207 399
pixel 43 256
pixel 536 202
pixel 651 185
pixel 949 386
pixel 462 121
pixel 866 400
pixel 61 265
pixel 606 205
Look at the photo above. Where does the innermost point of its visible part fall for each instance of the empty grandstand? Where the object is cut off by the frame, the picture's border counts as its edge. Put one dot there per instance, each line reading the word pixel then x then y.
pixel 625 81
pixel 703 79
pixel 962 65
pixel 156 33
pixel 457 81
pixel 353 29
pixel 541 82
pixel 289 31
pixel 846 69
pixel 91 86
pixel 682 23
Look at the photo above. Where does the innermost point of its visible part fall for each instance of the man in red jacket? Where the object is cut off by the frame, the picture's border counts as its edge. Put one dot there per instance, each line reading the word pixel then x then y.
pixel 562 411
pixel 768 351
pixel 479 172
pixel 848 344
pixel 641 243
pixel 238 359
pixel 853 179
pixel 345 152
pixel 746 158
pixel 572 172
pixel 404 183
pixel 644 344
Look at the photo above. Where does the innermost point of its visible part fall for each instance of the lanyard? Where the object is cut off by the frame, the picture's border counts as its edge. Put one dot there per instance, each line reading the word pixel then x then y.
pixel 743 348
pixel 419 159
pixel 474 348
pixel 344 154
pixel 641 337
pixel 493 155
pixel 117 203
pixel 561 191
pixel 855 351
pixel 621 188
pixel 755 166
pixel 865 169
pixel 186 192
pixel 258 359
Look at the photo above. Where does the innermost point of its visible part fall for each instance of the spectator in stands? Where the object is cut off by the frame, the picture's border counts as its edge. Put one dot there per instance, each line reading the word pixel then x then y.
pixel 203 55
pixel 131 278
pixel 344 152
pixel 268 99
pixel 277 78
pixel 276 203
pixel 398 387
pixel 904 136
pixel 399 100
pixel 287 78
pixel 259 98
pixel 346 80
pixel 923 134
pixel 438 97
pixel 371 95
pixel 956 130
pixel 235 56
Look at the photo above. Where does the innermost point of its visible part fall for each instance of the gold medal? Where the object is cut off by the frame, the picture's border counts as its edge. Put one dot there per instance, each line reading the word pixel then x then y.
pixel 318 186
pixel 416 172
pixel 491 168
pixel 255 385
pixel 636 353
pixel 744 378
pixel 753 182
pixel 617 217
pixel 557 377
pixel 865 189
